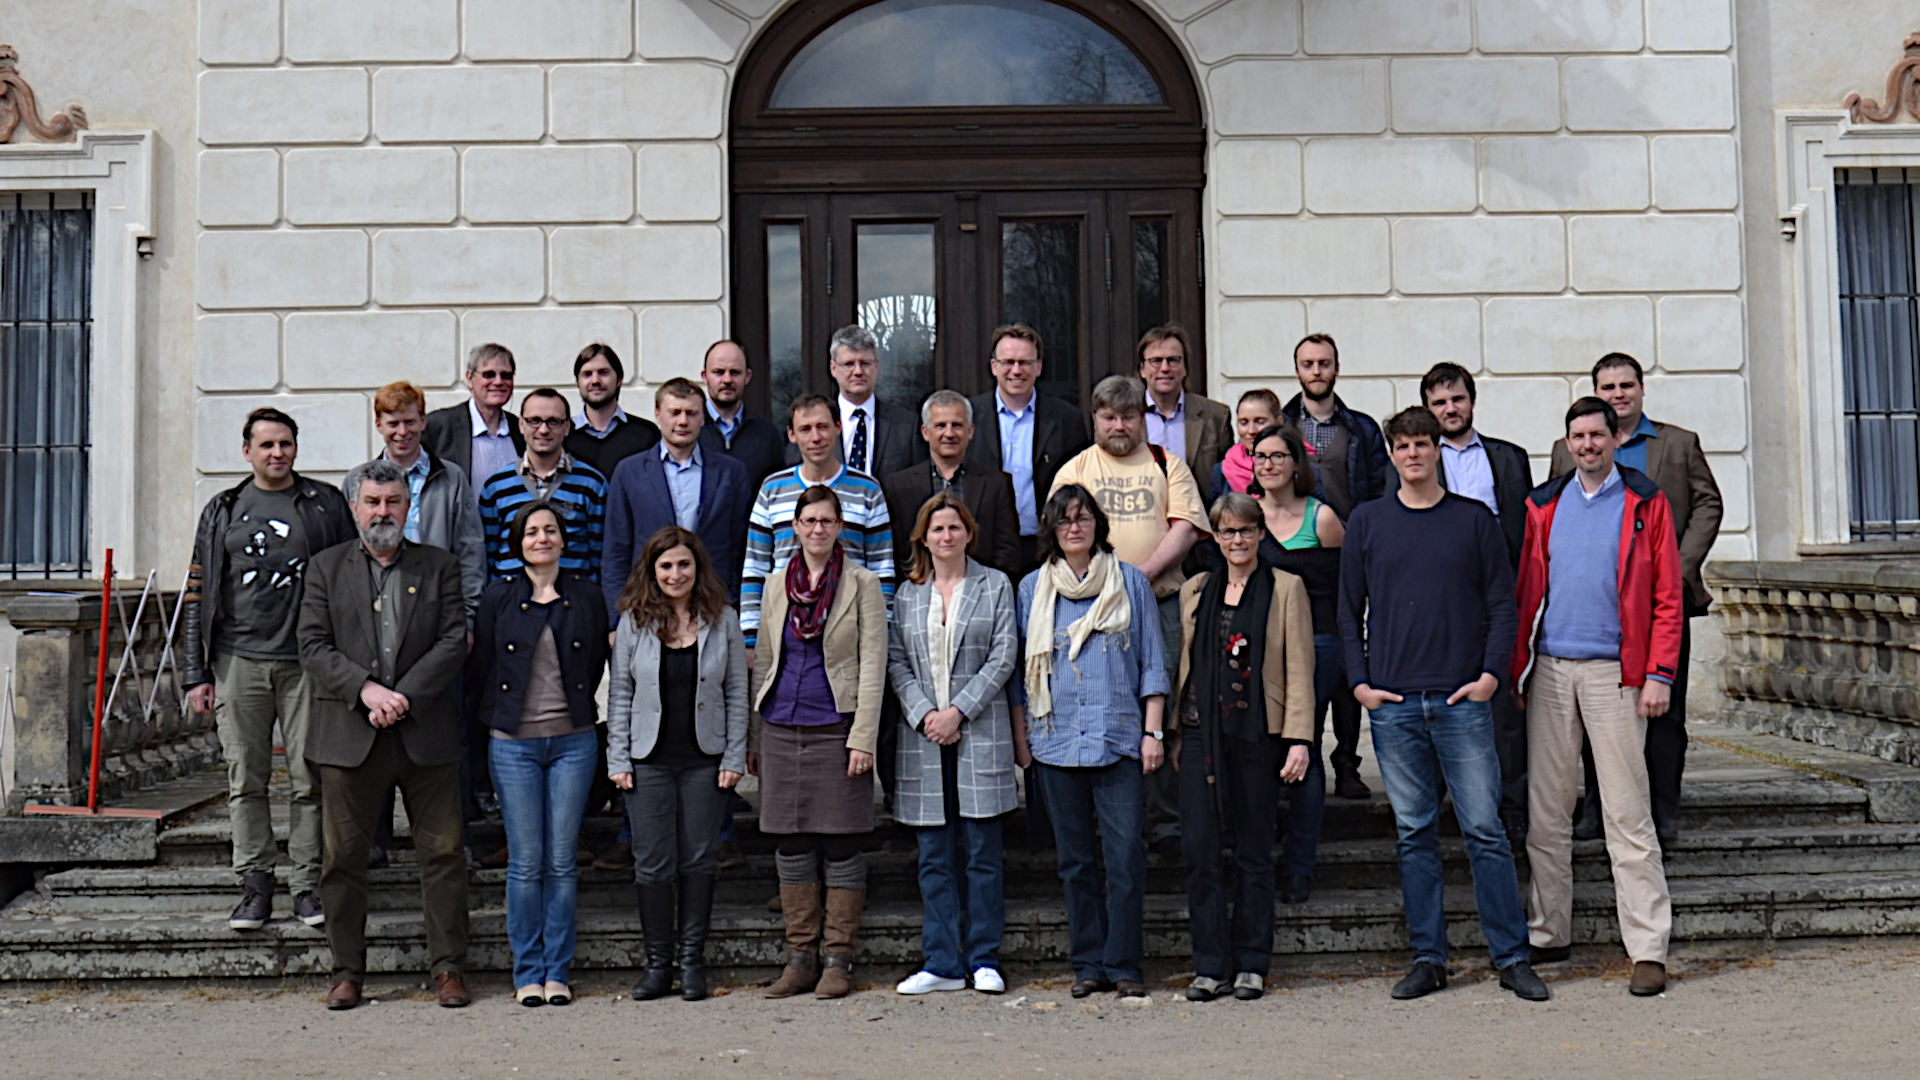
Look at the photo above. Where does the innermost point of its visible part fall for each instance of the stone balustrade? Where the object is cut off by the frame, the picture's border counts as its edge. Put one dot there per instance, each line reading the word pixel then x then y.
pixel 1824 651
pixel 55 655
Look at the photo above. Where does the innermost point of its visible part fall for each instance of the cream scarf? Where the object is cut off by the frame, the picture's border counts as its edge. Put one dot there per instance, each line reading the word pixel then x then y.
pixel 1110 614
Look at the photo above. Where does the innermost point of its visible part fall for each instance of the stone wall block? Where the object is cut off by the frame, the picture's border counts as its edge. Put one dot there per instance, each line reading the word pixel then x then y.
pixel 638 101
pixel 638 263
pixel 1530 410
pixel 1702 333
pixel 682 182
pixel 1544 174
pixel 239 32
pixel 1649 93
pixel 1251 338
pixel 1565 334
pixel 1292 257
pixel 1299 97
pixel 1479 255
pixel 1730 473
pixel 334 428
pixel 351 350
pixel 1690 25
pixel 674 340
pixel 1383 337
pixel 1255 176
pixel 545 340
pixel 1695 172
pixel 1479 95
pixel 282 105
pixel 687 29
pixel 1387 176
pixel 1247 28
pixel 352 31
pixel 1387 26
pixel 236 352
pixel 546 183
pixel 459 104
pixel 459 266
pixel 1673 253
pixel 1559 26
pixel 308 268
pixel 371 186
pixel 1713 406
pixel 238 187
pixel 517 30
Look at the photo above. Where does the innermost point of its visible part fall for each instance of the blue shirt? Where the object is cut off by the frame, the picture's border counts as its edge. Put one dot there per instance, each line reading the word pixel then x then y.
pixel 1016 457
pixel 1097 718
pixel 1468 472
pixel 1169 433
pixel 802 696
pixel 1582 616
pixel 1633 452
pixel 416 479
pixel 580 423
pixel 492 450
pixel 727 430
pixel 683 483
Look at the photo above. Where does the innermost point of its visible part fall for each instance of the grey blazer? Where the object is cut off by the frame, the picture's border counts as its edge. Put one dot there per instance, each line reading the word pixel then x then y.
pixel 719 702
pixel 986 654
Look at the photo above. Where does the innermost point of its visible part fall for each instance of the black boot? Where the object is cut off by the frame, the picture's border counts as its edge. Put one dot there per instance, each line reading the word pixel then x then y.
pixel 1586 819
pixel 656 927
pixel 696 909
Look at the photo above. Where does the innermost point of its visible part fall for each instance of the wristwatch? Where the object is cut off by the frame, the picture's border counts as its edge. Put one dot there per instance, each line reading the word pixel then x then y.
pixel 1157 736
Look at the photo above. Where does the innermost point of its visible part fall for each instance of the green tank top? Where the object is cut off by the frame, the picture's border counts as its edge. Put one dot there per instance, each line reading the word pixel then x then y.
pixel 1308 536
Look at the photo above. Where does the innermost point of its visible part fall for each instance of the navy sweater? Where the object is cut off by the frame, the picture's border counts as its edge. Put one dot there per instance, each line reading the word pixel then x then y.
pixel 1436 592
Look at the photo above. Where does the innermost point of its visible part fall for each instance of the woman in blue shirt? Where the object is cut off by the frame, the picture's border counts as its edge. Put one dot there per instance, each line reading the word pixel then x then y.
pixel 1094 684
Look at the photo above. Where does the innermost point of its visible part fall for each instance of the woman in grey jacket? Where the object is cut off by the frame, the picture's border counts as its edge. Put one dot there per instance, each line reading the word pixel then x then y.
pixel 951 651
pixel 676 742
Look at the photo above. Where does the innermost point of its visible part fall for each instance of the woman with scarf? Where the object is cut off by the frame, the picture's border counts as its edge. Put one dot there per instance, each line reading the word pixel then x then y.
pixel 1244 725
pixel 1093 686
pixel 1258 410
pixel 816 691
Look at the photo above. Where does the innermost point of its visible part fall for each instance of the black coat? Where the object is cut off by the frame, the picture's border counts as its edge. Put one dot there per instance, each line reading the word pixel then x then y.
pixel 628 437
pixel 758 443
pixel 1512 480
pixel 504 634
pixel 450 436
pixel 1059 432
pixel 988 493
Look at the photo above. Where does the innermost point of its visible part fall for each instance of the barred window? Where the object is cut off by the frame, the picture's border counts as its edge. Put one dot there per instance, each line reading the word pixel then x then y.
pixel 1880 340
pixel 46 258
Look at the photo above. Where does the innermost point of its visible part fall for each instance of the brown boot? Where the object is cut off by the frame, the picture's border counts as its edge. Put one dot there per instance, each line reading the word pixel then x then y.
pixel 801 905
pixel 843 927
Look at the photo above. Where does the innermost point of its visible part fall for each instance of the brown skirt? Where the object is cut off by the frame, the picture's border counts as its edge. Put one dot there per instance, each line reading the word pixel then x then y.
pixel 804 786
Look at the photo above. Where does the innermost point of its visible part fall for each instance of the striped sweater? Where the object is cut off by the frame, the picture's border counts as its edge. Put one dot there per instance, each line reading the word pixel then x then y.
pixel 771 544
pixel 580 494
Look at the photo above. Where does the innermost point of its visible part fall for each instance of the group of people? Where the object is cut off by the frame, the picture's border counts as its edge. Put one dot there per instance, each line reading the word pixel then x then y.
pixel 1150 616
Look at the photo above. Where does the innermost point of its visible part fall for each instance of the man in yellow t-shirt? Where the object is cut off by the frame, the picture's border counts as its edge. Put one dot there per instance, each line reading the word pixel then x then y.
pixel 1154 517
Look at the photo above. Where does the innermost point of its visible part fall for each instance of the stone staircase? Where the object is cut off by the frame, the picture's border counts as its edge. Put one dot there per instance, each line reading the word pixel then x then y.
pixel 1778 841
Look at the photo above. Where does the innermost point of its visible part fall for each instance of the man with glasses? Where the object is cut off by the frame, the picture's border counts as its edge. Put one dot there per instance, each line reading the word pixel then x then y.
pixel 1197 428
pixel 877 437
pixel 480 436
pixel 1026 434
pixel 546 473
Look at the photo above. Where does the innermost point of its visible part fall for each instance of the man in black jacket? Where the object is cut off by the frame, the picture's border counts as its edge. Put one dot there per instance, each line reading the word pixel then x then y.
pixel 480 435
pixel 1496 474
pixel 732 428
pixel 1024 433
pixel 946 422
pixel 242 661
pixel 603 434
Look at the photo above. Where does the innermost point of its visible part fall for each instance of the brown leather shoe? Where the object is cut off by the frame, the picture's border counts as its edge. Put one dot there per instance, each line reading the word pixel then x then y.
pixel 1649 978
pixel 344 995
pixel 450 989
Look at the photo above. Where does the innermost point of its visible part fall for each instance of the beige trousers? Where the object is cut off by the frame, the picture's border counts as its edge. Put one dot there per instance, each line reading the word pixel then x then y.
pixel 1566 698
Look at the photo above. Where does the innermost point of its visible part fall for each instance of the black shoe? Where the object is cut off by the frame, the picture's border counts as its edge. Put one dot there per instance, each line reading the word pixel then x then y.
pixel 1248 986
pixel 256 901
pixel 1084 987
pixel 657 932
pixel 1205 988
pixel 377 858
pixel 1295 889
pixel 1348 785
pixel 1553 954
pixel 696 910
pixel 1130 988
pixel 1167 847
pixel 1515 824
pixel 1424 979
pixel 1666 832
pixel 1519 978
pixel 1586 820
pixel 306 908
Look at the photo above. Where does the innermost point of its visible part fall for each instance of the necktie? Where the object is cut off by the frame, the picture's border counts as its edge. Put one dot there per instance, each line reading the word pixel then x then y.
pixel 857 460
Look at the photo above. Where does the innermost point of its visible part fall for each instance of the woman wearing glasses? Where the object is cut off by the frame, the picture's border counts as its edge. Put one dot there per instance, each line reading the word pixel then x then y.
pixel 1245 725
pixel 818 677
pixel 1093 686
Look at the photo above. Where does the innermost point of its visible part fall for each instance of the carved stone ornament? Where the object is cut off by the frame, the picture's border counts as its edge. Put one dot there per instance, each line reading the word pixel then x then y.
pixel 17 105
pixel 1903 84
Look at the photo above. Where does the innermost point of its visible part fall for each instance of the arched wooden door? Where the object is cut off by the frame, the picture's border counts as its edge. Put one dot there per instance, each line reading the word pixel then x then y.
pixel 931 169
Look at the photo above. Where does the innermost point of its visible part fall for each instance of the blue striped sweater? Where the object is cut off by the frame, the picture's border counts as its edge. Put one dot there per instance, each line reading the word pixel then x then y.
pixel 580 494
pixel 771 544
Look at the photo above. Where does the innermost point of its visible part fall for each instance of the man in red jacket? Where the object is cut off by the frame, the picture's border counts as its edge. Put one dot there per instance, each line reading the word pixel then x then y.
pixel 1599 599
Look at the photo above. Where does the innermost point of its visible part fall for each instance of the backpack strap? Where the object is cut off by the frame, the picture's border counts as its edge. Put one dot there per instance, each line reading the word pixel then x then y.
pixel 1159 456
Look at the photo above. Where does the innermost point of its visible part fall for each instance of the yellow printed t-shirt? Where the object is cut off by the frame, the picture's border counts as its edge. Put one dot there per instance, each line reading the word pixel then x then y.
pixel 1139 502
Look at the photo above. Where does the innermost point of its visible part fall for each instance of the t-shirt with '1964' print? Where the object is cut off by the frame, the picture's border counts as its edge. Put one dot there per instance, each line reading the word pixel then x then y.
pixel 1140 502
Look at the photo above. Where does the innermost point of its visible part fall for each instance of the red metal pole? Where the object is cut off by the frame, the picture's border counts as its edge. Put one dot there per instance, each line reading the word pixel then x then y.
pixel 100 686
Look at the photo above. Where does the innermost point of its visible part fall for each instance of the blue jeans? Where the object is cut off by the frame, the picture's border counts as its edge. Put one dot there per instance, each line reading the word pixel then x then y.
pixel 542 784
pixel 1104 920
pixel 962 871
pixel 1419 742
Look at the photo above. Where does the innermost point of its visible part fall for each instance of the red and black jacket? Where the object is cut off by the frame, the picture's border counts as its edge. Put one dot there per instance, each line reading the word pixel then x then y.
pixel 1648 579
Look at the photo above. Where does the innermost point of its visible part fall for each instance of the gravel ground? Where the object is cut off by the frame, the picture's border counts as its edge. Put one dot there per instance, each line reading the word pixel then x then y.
pixel 1840 1009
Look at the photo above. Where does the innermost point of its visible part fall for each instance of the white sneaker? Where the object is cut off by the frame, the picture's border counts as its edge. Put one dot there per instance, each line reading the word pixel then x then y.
pixel 926 982
pixel 988 981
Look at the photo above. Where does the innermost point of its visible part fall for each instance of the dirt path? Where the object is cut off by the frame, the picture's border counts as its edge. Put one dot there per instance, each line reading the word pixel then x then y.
pixel 1810 1010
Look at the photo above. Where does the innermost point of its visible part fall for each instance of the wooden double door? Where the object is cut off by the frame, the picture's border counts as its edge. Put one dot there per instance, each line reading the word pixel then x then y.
pixel 931 274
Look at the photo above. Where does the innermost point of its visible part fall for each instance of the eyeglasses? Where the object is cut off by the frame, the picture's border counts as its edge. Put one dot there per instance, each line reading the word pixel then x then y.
pixel 1163 361
pixel 494 376
pixel 1272 459
pixel 856 365
pixel 1018 363
pixel 545 421
pixel 1078 521
pixel 814 524
pixel 1247 532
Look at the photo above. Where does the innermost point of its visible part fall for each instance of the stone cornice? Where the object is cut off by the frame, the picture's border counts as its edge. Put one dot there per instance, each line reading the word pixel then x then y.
pixel 1903 85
